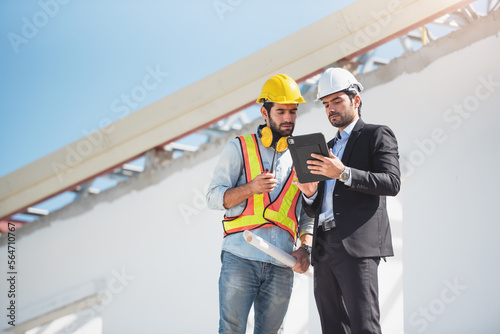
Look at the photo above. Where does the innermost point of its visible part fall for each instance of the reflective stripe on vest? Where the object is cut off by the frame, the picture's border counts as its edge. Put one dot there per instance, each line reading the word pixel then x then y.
pixel 259 211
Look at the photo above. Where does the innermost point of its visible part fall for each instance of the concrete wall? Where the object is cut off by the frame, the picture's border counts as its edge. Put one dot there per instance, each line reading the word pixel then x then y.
pixel 446 116
pixel 150 247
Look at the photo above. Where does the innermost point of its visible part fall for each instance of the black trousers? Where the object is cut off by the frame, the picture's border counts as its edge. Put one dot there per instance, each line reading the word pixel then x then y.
pixel 345 288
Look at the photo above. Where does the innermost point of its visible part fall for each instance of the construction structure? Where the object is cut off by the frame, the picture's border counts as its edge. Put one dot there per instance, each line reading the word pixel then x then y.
pixel 143 256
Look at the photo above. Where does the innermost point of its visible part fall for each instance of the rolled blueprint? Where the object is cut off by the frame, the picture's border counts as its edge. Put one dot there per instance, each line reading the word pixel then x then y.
pixel 274 251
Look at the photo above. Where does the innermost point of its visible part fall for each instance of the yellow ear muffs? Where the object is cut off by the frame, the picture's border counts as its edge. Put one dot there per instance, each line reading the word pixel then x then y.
pixel 267 136
pixel 267 139
pixel 282 144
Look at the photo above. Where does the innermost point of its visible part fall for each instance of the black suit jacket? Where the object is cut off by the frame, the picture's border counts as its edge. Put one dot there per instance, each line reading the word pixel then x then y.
pixel 360 210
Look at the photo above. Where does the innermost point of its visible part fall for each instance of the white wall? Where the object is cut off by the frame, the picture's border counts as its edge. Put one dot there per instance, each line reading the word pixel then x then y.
pixel 446 119
pixel 151 247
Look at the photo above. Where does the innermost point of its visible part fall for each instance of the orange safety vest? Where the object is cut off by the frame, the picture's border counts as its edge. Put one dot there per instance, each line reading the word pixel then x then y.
pixel 259 210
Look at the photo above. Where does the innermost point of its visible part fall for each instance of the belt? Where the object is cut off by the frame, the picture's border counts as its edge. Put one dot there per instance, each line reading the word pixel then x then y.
pixel 328 225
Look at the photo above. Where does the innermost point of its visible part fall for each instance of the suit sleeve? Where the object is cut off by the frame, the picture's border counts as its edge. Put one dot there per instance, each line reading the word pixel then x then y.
pixel 383 178
pixel 313 208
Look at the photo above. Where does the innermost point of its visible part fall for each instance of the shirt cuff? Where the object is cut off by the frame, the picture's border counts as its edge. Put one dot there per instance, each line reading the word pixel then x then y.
pixel 306 230
pixel 309 200
pixel 349 180
pixel 216 199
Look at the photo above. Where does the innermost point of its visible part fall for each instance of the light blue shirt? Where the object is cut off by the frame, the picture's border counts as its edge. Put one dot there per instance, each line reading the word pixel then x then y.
pixel 338 148
pixel 229 173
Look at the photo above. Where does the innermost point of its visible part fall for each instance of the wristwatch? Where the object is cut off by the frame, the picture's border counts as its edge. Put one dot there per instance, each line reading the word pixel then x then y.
pixel 307 248
pixel 344 176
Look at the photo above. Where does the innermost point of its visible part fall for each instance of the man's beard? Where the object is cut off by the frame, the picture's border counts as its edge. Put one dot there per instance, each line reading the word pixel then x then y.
pixel 277 131
pixel 340 122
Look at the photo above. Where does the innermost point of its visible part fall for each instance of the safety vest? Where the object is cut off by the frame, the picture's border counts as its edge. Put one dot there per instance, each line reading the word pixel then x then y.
pixel 259 210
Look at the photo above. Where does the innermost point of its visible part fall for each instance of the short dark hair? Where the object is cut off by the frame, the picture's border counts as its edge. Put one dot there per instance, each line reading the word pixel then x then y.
pixel 268 105
pixel 352 94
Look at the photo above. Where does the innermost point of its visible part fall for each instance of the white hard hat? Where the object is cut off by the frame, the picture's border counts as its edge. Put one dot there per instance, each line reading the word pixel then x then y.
pixel 335 80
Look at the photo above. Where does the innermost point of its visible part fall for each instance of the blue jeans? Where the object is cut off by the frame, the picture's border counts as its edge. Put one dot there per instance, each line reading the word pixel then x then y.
pixel 243 283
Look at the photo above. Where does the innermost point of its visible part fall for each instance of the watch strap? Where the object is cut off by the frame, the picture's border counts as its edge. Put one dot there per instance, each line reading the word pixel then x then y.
pixel 307 248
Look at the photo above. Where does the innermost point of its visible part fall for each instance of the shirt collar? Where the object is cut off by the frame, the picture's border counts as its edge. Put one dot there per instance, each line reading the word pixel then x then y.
pixel 347 131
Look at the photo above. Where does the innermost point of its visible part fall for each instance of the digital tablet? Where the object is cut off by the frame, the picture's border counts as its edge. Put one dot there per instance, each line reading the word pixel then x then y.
pixel 301 148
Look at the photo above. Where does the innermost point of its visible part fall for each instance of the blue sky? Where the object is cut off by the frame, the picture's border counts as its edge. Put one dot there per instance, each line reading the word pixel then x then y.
pixel 70 67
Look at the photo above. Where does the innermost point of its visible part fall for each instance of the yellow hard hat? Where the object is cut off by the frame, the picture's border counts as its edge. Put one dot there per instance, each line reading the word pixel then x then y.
pixel 282 89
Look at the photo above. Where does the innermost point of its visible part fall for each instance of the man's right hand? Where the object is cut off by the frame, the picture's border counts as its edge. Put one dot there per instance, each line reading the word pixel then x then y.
pixel 263 183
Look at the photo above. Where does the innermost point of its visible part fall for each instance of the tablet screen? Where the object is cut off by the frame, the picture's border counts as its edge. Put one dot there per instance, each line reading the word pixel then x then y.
pixel 301 148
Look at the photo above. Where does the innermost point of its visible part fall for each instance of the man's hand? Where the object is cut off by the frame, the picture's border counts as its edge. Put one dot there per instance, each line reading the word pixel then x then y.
pixel 263 183
pixel 328 166
pixel 302 256
pixel 303 261
pixel 308 189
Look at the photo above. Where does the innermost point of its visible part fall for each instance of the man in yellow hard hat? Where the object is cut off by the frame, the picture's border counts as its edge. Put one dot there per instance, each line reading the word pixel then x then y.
pixel 252 182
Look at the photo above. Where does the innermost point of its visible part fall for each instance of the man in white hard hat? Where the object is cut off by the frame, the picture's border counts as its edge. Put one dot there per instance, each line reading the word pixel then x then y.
pixel 351 231
pixel 252 182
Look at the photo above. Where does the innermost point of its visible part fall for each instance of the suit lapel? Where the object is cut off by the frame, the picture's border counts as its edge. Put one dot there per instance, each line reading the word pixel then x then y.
pixel 352 141
pixel 321 191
